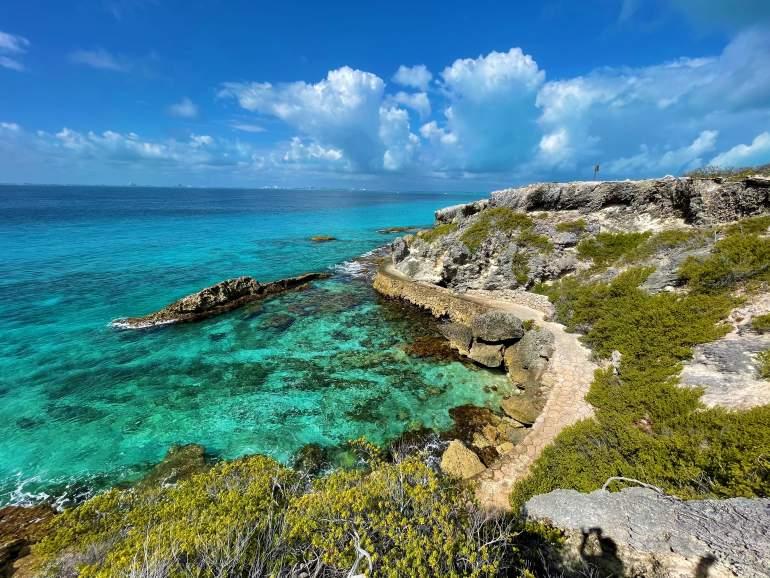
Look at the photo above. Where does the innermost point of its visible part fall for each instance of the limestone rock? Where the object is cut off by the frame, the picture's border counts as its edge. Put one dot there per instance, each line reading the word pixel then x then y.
pixel 536 344
pixel 521 408
pixel 486 354
pixel 705 201
pixel 460 462
pixel 215 300
pixel 459 336
pixel 639 532
pixel 495 326
pixel 20 527
pixel 449 214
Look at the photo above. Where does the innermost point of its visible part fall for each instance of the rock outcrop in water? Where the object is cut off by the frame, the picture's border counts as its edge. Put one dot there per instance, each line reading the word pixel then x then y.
pixel 217 299
pixel 640 532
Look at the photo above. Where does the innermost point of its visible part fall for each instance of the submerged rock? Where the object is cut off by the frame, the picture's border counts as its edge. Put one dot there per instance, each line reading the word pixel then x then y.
pixel 323 238
pixel 217 299
pixel 311 459
pixel 460 462
pixel 181 462
pixel 431 346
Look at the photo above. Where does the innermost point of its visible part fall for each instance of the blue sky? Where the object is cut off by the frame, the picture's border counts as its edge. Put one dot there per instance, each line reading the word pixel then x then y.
pixel 391 95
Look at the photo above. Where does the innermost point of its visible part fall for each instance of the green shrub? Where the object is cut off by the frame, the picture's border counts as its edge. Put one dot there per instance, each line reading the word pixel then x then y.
pixel 761 323
pixel 764 363
pixel 520 267
pixel 528 238
pixel 437 232
pixel 606 248
pixel 646 426
pixel 758 225
pixel 734 259
pixel 576 226
pixel 500 219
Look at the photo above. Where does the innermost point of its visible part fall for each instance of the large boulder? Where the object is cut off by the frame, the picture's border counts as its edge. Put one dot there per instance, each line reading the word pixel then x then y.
pixel 640 532
pixel 486 354
pixel 530 355
pixel 460 462
pixel 496 326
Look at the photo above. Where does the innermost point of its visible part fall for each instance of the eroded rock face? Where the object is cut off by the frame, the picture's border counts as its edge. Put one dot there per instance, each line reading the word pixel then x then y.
pixel 700 201
pixel 639 532
pixel 460 462
pixel 20 527
pixel 215 300
pixel 459 336
pixel 488 355
pixel 508 260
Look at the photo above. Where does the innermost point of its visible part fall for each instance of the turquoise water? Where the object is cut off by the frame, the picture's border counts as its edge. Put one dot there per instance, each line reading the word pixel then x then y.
pixel 84 405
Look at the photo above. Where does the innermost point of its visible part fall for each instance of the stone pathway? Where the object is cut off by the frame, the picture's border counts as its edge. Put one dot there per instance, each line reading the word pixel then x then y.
pixel 568 376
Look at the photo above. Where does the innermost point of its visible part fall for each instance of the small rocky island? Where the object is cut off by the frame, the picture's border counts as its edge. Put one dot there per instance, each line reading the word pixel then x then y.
pixel 217 299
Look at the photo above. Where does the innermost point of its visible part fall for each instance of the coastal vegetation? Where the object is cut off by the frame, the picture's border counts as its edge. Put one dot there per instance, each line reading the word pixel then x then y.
pixel 647 427
pixel 495 219
pixel 761 323
pixel 255 517
pixel 431 235
pixel 730 174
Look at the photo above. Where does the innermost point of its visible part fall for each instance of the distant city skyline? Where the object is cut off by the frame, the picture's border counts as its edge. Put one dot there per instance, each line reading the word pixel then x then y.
pixel 448 95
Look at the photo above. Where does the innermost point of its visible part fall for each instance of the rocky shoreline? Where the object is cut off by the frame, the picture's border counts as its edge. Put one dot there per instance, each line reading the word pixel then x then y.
pixel 216 299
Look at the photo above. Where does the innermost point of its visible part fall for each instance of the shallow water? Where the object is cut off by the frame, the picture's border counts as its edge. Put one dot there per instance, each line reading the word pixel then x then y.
pixel 84 405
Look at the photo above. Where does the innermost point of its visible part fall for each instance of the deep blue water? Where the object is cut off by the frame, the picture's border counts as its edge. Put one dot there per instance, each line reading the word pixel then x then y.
pixel 84 405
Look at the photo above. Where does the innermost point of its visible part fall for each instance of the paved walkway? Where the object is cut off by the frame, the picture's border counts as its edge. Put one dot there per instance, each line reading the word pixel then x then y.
pixel 568 376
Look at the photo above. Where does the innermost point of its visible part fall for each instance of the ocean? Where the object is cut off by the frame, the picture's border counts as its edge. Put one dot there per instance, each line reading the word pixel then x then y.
pixel 85 405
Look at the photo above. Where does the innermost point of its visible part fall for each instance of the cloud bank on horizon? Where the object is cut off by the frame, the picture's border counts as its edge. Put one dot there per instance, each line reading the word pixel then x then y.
pixel 495 117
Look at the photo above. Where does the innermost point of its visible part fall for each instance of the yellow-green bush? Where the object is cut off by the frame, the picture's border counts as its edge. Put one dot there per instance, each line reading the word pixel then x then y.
pixel 254 517
pixel 222 522
pixel 410 521
pixel 437 232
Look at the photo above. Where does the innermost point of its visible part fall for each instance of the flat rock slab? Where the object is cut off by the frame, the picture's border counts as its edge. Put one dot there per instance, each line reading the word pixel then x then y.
pixel 639 530
pixel 728 371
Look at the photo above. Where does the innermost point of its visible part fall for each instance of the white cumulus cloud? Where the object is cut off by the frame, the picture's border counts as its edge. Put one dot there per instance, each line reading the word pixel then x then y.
pixel 339 112
pixel 745 155
pixel 418 76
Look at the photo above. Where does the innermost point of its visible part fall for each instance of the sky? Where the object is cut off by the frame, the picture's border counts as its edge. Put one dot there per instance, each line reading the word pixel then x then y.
pixel 419 95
